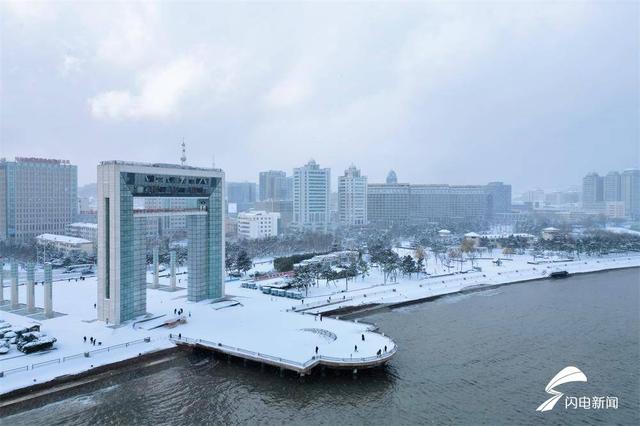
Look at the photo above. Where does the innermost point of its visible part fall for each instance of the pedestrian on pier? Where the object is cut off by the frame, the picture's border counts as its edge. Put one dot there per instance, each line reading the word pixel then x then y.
pixel 94 306
pixel 175 311
pixel 179 335
pixel 379 352
pixel 363 337
pixel 85 339
pixel 316 350
pixel 385 348
pixel 320 318
pixel 356 348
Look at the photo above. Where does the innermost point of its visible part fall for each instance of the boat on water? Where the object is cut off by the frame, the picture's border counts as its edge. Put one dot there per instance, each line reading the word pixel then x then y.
pixel 559 274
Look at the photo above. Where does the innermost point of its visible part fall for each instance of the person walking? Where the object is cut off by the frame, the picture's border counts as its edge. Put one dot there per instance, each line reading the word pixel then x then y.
pixel 85 339
pixel 316 350
pixel 356 348
pixel 385 348
pixel 363 337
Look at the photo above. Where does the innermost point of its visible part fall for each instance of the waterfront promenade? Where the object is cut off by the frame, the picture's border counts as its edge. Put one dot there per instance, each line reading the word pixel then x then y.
pixel 272 330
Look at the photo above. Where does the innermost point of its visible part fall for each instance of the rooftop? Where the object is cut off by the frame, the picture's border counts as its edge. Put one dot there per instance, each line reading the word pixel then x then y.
pixel 62 239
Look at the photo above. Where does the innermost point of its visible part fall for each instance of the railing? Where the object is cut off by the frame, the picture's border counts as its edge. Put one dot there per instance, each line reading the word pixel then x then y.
pixel 315 359
pixel 71 357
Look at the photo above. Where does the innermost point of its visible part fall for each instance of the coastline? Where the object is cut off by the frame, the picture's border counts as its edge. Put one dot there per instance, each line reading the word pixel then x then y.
pixel 22 395
pixel 356 312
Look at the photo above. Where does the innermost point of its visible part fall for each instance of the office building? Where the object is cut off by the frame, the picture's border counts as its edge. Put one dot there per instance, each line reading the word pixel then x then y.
pixel 87 231
pixel 275 185
pixel 501 196
pixel 352 198
pixel 403 203
pixel 283 207
pixel 37 196
pixel 66 244
pixel 172 225
pixel 311 189
pixel 257 224
pixel 242 194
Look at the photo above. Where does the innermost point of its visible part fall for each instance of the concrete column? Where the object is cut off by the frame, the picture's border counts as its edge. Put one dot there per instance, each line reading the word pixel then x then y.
pixel 1 282
pixel 156 267
pixel 48 291
pixel 172 263
pixel 31 294
pixel 14 284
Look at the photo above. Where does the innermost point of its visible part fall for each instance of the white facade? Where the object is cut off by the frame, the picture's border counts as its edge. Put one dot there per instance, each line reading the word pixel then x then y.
pixel 311 189
pixel 88 231
pixel 352 198
pixel 257 224
pixel 65 243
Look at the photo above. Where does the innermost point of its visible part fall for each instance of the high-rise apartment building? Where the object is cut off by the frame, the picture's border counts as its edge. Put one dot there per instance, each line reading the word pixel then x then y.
pixel 630 192
pixel 612 190
pixel 352 198
pixel 593 192
pixel 37 196
pixel 311 188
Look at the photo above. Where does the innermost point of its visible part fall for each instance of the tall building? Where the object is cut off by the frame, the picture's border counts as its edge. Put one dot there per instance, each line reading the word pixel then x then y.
pixel 37 196
pixel 257 224
pixel 630 192
pixel 352 198
pixel 275 185
pixel 612 190
pixel 403 203
pixel 593 192
pixel 388 204
pixel 501 196
pixel 243 194
pixel 311 189
pixel 392 177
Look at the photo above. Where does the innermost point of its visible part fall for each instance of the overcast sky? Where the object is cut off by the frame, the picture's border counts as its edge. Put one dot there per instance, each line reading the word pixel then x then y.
pixel 535 94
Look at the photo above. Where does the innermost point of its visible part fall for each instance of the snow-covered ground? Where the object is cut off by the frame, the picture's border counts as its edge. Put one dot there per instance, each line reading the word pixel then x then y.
pixel 442 280
pixel 277 327
pixel 257 324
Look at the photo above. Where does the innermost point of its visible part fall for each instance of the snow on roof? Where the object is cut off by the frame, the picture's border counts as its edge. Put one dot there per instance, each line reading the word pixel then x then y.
pixel 499 236
pixel 62 239
pixel 85 224
pixel 550 229
pixel 444 231
pixel 471 235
